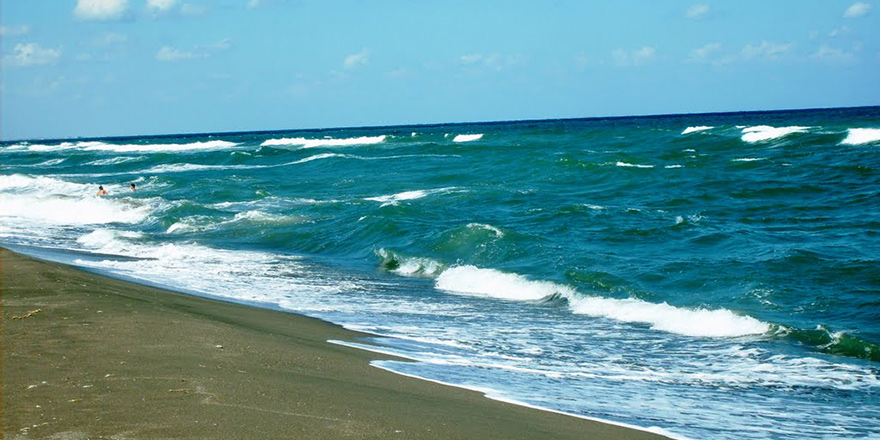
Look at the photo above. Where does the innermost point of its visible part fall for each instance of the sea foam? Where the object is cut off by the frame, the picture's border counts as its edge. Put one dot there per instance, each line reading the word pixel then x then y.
pixel 861 136
pixel 127 148
pixel 763 133
pixel 312 143
pixel 491 283
pixel 696 129
pixel 467 137
pixel 53 201
pixel 394 199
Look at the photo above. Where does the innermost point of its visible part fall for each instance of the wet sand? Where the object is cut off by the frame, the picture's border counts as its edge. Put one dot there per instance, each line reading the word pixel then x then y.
pixel 86 356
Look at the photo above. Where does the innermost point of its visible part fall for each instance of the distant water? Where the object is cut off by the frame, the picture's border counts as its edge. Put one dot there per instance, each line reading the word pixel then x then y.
pixel 711 276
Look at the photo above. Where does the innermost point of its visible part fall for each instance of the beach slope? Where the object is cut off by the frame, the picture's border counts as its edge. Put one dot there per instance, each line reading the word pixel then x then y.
pixel 85 356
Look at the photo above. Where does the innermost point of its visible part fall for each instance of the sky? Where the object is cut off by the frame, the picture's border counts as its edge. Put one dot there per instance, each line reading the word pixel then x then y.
pixel 92 68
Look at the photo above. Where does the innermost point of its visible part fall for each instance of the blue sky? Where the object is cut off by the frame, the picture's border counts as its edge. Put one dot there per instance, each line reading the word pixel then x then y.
pixel 81 68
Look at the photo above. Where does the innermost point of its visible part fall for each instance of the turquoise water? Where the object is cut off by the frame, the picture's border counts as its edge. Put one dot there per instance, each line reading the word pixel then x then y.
pixel 706 276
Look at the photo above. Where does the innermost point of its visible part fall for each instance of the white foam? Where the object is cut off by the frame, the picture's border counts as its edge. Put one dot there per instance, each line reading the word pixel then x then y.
pixel 115 160
pixel 672 166
pixel 696 129
pixel 498 233
pixel 861 136
pixel 749 159
pixel 53 201
pixel 412 266
pixel 630 165
pixel 664 317
pixel 491 283
pixel 311 143
pixel 467 137
pixel 762 133
pixel 129 148
pixel 394 199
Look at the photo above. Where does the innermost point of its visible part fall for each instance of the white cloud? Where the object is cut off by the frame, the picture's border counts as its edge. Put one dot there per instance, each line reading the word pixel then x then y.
pixel 12 31
pixel 31 54
pixel 766 50
pixel 703 54
pixel 253 4
pixel 193 10
pixel 637 57
pixel 169 54
pixel 160 5
pixel 100 10
pixel 857 9
pixel 359 59
pixel 472 58
pixel 221 45
pixel 697 11
pixel 832 54
pixel 494 61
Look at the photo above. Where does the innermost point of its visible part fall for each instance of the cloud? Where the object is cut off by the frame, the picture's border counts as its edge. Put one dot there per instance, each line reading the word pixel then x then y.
pixel 253 4
pixel 359 59
pixel 221 45
pixel 160 5
pixel 31 54
pixel 766 50
pixel 494 61
pixel 637 57
pixel 702 54
pixel 13 31
pixel 193 10
pixel 827 53
pixel 170 54
pixel 697 11
pixel 100 10
pixel 857 9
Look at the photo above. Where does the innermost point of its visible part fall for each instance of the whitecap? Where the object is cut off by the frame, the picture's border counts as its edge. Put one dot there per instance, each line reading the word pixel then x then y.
pixel 394 199
pixel 630 165
pixel 861 136
pixel 696 129
pixel 762 133
pixel 312 143
pixel 467 137
pixel 498 233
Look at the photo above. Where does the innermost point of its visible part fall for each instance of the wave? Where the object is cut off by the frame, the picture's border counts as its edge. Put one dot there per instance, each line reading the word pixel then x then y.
pixel 394 199
pixel 749 159
pixel 763 133
pixel 57 202
pixel 630 165
pixel 312 143
pixel 491 283
pixel 115 160
pixel 696 129
pixel 861 136
pixel 467 137
pixel 126 148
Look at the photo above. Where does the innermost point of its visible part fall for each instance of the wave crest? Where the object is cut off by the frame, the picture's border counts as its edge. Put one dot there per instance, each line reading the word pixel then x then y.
pixel 861 136
pixel 763 133
pixel 312 143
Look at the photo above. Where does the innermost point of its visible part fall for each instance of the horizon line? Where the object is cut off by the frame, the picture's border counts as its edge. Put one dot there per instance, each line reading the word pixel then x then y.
pixel 432 124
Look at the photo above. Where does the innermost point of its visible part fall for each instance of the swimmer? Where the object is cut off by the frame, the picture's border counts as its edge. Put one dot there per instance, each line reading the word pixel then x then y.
pixel 101 190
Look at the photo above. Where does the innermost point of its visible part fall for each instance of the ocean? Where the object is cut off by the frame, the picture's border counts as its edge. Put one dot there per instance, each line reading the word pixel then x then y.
pixel 710 276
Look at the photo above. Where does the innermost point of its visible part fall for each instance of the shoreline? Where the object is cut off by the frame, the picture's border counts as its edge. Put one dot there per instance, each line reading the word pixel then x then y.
pixel 89 356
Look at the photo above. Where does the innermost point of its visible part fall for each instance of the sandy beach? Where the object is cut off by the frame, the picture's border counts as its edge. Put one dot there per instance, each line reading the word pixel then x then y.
pixel 85 356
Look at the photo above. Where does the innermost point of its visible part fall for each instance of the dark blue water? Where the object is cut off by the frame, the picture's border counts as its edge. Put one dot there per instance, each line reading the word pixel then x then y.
pixel 714 276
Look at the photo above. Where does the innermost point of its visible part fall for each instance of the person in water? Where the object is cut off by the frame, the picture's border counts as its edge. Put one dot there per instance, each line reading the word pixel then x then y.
pixel 133 187
pixel 101 191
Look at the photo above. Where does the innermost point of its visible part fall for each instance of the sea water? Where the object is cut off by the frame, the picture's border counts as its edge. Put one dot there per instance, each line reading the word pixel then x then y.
pixel 706 276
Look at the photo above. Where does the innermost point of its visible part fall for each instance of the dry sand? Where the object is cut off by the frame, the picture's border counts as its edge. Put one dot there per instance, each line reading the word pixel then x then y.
pixel 89 357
